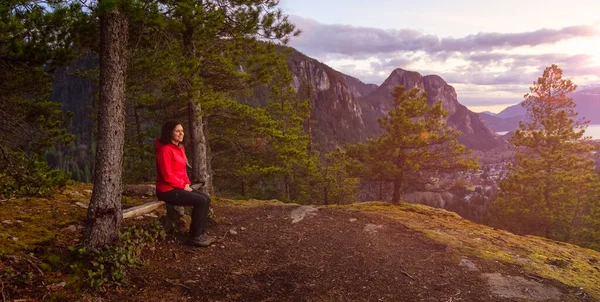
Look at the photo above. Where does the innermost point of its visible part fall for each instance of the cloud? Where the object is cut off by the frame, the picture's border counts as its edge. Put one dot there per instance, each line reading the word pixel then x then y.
pixel 318 38
pixel 486 100
pixel 392 63
pixel 485 68
pixel 518 69
pixel 488 41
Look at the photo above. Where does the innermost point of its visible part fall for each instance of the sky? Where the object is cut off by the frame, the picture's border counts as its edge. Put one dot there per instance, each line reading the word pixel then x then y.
pixel 489 51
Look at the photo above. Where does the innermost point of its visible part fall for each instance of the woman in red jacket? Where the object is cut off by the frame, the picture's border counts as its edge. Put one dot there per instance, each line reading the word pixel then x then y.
pixel 173 184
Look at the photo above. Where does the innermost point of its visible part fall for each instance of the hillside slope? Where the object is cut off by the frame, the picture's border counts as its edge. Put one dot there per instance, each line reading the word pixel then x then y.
pixel 366 251
pixel 274 251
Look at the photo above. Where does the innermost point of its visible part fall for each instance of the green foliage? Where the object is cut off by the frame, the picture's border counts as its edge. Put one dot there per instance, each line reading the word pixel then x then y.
pixel 293 165
pixel 204 55
pixel 37 33
pixel 551 189
pixel 265 152
pixel 336 184
pixel 21 176
pixel 109 265
pixel 34 38
pixel 201 54
pixel 416 145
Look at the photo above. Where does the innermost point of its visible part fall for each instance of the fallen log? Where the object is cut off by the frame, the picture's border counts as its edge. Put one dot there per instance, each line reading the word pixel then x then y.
pixel 142 209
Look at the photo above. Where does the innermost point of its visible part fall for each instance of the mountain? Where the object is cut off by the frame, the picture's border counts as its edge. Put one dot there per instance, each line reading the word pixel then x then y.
pixel 357 87
pixel 475 133
pixel 344 109
pixel 488 113
pixel 501 124
pixel 338 116
pixel 512 111
pixel 588 104
pixel 587 101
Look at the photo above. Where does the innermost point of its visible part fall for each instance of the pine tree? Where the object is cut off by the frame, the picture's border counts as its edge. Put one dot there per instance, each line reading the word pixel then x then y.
pixel 214 39
pixel 336 184
pixel 104 213
pixel 35 38
pixel 290 143
pixel 241 149
pixel 549 190
pixel 201 54
pixel 416 145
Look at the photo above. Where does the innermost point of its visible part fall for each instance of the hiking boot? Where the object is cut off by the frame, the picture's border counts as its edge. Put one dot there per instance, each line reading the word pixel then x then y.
pixel 202 240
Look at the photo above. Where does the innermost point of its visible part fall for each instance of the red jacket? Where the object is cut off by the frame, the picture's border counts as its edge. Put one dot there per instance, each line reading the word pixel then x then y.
pixel 170 167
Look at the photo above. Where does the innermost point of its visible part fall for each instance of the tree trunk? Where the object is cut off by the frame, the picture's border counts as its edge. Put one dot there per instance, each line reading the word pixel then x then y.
pixel 309 119
pixel 198 142
pixel 209 188
pixel 104 213
pixel 397 190
pixel 196 128
pixel 286 184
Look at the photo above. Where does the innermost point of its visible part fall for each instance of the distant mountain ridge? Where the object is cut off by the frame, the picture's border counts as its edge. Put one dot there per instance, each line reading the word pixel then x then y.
pixel 586 99
pixel 346 109
pixel 337 114
pixel 488 113
pixel 357 87
pixel 475 134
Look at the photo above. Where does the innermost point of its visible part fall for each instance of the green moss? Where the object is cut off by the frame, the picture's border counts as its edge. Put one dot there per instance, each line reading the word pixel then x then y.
pixel 30 222
pixel 247 203
pixel 54 260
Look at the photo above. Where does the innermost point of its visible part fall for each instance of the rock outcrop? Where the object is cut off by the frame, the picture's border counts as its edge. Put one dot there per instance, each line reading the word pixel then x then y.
pixel 475 134
pixel 337 114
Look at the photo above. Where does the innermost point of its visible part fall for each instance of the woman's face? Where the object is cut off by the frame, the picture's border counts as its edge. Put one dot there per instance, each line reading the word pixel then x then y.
pixel 177 135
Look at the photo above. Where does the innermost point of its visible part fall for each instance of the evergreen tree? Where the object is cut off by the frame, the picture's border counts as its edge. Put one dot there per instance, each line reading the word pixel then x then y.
pixel 336 184
pixel 549 190
pixel 200 54
pixel 104 213
pixel 416 145
pixel 35 37
pixel 241 149
pixel 213 40
pixel 295 165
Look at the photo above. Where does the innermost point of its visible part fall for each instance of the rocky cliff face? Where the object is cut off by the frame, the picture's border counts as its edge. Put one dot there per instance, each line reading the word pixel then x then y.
pixel 345 110
pixel 338 116
pixel 357 87
pixel 475 134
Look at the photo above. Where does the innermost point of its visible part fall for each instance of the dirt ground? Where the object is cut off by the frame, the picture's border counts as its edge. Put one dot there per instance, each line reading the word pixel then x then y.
pixel 329 254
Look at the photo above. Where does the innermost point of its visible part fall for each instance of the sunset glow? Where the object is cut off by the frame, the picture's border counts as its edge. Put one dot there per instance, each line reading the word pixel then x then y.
pixel 490 52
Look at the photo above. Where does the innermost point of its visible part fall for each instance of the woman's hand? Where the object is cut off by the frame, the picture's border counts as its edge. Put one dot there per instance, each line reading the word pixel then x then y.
pixel 188 188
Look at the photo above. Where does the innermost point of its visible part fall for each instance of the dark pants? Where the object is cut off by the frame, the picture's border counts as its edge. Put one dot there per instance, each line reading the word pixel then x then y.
pixel 200 201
